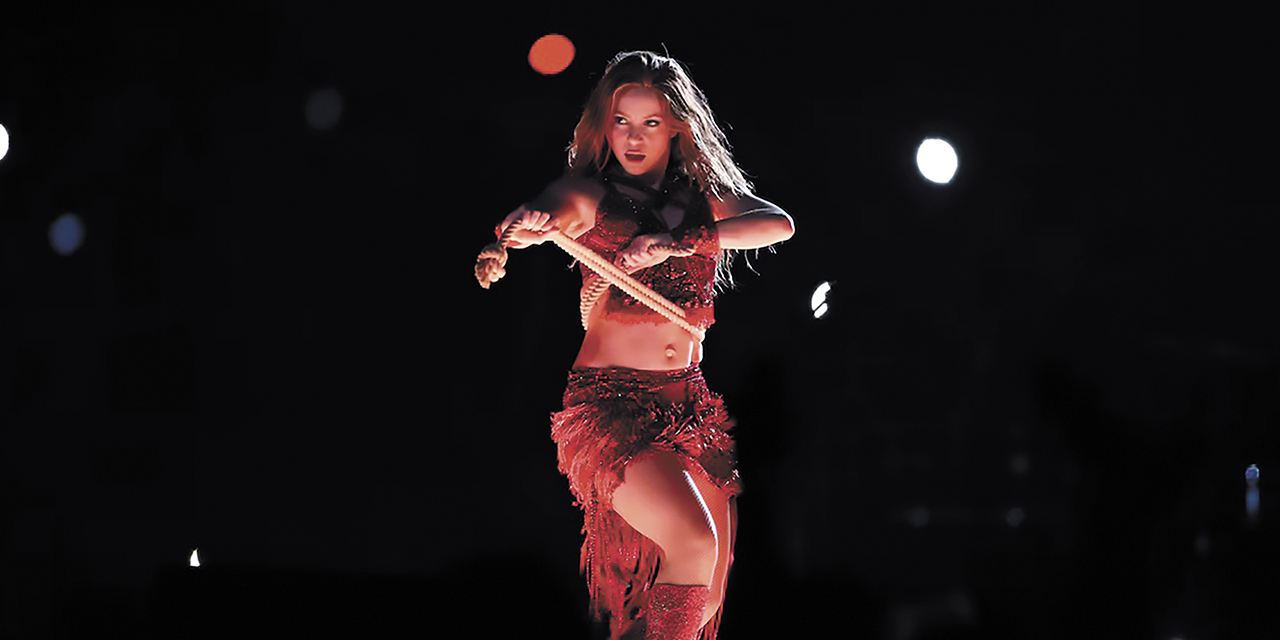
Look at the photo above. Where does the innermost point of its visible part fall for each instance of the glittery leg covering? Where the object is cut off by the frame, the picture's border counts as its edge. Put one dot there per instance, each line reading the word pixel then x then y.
pixel 675 611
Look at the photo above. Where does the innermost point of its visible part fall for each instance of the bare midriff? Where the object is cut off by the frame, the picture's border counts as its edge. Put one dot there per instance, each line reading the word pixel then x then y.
pixel 656 347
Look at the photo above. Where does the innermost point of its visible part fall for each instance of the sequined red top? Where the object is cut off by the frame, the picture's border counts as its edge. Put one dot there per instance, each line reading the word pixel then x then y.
pixel 629 209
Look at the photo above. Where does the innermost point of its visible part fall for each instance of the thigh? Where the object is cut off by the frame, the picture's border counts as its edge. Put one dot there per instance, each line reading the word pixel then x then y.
pixel 719 509
pixel 660 498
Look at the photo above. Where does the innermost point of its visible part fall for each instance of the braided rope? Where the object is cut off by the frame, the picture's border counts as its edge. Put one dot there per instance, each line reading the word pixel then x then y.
pixel 491 263
pixel 594 286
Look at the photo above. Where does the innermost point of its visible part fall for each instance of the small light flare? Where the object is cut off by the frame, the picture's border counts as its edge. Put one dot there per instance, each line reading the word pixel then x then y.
pixel 195 557
pixel 551 54
pixel 818 301
pixel 936 159
pixel 66 234
pixel 918 516
pixel 4 142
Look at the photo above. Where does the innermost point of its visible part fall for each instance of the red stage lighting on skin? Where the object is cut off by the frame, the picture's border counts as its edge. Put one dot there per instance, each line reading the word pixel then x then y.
pixel 551 54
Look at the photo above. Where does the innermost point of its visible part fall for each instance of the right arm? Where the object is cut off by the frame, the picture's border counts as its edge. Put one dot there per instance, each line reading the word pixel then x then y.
pixel 568 204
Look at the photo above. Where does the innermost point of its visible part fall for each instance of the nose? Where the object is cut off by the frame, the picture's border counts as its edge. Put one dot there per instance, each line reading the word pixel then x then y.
pixel 635 133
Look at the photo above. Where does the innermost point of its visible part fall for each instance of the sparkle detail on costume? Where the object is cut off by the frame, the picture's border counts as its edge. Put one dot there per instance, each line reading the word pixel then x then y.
pixel 675 611
pixel 611 417
pixel 687 281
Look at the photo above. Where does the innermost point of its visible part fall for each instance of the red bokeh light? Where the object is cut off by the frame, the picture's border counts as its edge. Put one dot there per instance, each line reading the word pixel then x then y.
pixel 551 54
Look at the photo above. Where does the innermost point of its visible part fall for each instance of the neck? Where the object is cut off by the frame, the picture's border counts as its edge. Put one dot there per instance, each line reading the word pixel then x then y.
pixel 652 179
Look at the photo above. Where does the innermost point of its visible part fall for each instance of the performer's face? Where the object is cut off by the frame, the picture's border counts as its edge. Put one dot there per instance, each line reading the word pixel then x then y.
pixel 640 132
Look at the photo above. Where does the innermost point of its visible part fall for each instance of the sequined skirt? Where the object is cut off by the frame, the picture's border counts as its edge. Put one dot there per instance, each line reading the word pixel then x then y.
pixel 611 417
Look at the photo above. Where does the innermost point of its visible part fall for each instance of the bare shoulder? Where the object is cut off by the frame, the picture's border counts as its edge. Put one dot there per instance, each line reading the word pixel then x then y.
pixel 572 202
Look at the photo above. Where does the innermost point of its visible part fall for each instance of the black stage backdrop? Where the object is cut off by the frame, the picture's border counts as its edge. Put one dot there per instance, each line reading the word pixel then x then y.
pixel 1027 414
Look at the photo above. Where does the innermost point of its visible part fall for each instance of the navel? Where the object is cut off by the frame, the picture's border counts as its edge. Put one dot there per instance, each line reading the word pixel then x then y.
pixel 671 351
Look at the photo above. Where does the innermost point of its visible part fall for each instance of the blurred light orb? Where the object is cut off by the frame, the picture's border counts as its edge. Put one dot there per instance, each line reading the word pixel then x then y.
pixel 551 54
pixel 1015 516
pixel 4 142
pixel 66 234
pixel 918 516
pixel 1251 474
pixel 1020 464
pixel 936 160
pixel 324 109
pixel 194 560
pixel 818 301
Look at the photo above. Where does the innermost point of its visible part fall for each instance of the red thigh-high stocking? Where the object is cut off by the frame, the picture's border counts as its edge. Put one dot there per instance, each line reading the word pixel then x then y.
pixel 675 611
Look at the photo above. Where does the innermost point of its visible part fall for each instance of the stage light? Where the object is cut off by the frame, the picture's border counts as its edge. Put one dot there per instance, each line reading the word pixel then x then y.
pixel 551 54
pixel 4 142
pixel 66 234
pixel 195 557
pixel 818 301
pixel 324 108
pixel 936 160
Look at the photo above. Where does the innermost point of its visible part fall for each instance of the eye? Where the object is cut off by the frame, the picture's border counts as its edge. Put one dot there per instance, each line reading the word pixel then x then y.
pixel 619 120
pixel 653 123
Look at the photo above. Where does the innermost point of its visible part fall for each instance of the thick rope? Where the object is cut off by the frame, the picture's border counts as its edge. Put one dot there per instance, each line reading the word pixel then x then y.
pixel 491 263
pixel 620 279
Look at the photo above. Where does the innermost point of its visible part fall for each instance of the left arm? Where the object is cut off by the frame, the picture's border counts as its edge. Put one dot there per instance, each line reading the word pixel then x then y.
pixel 748 222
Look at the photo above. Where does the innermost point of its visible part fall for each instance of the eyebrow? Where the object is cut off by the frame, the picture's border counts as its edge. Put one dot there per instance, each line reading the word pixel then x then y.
pixel 652 115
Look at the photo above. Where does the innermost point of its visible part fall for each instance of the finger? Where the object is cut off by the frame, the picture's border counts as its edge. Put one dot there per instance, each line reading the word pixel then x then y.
pixel 536 220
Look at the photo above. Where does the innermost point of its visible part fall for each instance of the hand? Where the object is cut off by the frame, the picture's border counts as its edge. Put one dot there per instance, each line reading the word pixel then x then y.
pixel 641 253
pixel 533 226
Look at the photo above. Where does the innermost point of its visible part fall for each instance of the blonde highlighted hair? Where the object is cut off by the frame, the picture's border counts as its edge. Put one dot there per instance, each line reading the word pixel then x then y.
pixel 700 150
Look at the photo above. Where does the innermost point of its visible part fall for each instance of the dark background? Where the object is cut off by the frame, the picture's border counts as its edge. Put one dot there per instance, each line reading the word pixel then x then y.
pixel 1027 415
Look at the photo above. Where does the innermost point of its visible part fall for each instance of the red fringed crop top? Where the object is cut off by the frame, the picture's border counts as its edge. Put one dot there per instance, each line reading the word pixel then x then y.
pixel 629 209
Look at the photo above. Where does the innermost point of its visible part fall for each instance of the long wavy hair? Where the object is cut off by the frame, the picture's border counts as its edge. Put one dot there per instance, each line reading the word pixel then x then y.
pixel 700 149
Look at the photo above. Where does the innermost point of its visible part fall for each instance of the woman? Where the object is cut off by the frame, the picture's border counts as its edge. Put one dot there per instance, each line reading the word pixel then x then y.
pixel 642 441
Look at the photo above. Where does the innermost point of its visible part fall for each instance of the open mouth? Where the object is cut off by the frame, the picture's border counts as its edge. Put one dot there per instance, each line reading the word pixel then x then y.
pixel 634 156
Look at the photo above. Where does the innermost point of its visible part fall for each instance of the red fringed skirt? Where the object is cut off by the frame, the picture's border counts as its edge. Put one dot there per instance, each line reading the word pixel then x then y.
pixel 610 417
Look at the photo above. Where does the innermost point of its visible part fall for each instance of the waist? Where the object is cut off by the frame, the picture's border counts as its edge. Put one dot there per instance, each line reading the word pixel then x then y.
pixel 657 346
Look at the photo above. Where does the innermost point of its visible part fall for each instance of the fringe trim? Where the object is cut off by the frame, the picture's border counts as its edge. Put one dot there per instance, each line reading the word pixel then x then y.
pixel 611 417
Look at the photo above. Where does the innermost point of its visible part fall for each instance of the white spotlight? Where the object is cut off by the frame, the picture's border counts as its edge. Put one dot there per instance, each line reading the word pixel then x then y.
pixel 818 301
pixel 66 234
pixel 4 142
pixel 324 108
pixel 936 160
pixel 195 557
